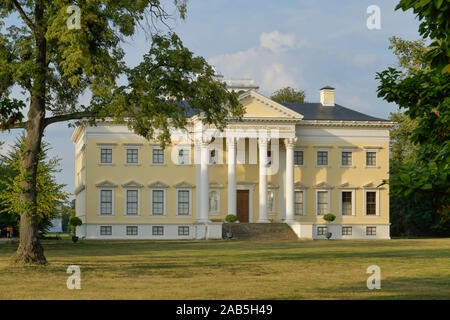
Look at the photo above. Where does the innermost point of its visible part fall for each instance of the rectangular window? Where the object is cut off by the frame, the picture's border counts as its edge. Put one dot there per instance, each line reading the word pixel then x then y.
pixel 346 158
pixel 183 202
pixel 371 158
pixel 132 202
pixel 298 158
pixel 371 203
pixel 106 156
pixel 105 230
pixel 269 157
pixel 157 230
pixel 158 156
pixel 298 203
pixel 106 202
pixel 322 158
pixel 371 231
pixel 346 203
pixel 346 231
pixel 183 156
pixel 132 230
pixel 183 231
pixel 132 155
pixel 321 231
pixel 157 202
pixel 322 202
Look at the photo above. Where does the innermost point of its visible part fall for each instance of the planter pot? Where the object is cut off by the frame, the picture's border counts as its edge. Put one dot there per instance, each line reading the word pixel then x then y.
pixel 74 239
pixel 229 235
pixel 328 235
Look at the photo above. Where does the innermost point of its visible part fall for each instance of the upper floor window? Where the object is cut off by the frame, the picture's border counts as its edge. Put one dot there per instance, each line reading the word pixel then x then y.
pixel 106 155
pixel 322 158
pixel 371 158
pixel 346 158
pixel 158 156
pixel 298 158
pixel 132 155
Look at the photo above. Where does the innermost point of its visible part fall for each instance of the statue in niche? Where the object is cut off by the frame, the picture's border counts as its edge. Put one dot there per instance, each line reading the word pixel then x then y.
pixel 270 201
pixel 213 201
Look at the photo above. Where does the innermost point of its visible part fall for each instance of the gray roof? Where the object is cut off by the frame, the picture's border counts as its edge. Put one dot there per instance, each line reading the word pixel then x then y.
pixel 316 111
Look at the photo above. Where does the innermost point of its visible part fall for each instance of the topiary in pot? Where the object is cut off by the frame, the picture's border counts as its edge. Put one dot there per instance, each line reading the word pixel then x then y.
pixel 329 217
pixel 230 218
pixel 74 222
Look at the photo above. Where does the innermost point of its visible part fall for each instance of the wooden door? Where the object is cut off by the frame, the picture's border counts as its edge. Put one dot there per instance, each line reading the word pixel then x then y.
pixel 242 205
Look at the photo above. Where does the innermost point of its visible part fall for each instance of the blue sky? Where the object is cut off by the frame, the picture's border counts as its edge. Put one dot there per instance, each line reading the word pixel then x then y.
pixel 305 44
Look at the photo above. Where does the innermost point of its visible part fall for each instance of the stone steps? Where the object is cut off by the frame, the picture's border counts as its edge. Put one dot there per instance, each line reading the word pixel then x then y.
pixel 259 231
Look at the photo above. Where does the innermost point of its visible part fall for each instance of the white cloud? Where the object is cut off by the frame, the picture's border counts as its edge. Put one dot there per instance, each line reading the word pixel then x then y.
pixel 276 41
pixel 268 64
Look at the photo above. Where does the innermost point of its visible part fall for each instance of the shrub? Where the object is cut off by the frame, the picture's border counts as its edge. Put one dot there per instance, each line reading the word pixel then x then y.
pixel 231 218
pixel 329 217
pixel 75 222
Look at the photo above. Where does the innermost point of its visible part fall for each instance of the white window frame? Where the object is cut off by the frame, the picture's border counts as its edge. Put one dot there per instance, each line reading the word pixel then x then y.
pixel 190 202
pixel 304 202
pixel 353 203
pixel 157 147
pixel 125 212
pixel 317 199
pixel 322 149
pixel 102 146
pixel 134 147
pixel 303 151
pixel 377 204
pixel 371 149
pixel 217 212
pixel 164 203
pixel 100 201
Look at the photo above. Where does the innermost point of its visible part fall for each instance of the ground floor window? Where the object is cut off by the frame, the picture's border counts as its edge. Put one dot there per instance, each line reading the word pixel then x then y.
pixel 158 230
pixel 322 231
pixel 371 231
pixel 105 230
pixel 132 230
pixel 346 231
pixel 183 231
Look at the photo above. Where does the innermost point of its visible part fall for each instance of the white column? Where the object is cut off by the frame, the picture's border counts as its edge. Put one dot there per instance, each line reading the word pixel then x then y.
pixel 198 177
pixel 231 160
pixel 204 182
pixel 290 214
pixel 263 180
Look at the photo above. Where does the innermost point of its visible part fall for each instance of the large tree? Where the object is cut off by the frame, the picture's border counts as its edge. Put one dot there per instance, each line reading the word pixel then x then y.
pixel 425 94
pixel 55 65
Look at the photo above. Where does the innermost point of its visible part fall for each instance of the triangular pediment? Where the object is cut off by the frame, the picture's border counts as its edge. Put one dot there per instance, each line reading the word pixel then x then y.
pixel 258 106
pixel 158 184
pixel 371 185
pixel 132 184
pixel 184 184
pixel 323 185
pixel 300 185
pixel 106 183
pixel 347 185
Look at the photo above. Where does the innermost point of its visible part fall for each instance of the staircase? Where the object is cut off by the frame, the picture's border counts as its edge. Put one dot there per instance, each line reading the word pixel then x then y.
pixel 259 231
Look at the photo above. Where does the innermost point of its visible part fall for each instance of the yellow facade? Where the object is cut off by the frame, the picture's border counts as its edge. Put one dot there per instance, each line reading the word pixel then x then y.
pixel 309 177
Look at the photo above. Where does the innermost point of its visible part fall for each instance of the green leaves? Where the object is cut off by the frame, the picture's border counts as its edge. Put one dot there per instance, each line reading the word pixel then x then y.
pixel 10 113
pixel 288 94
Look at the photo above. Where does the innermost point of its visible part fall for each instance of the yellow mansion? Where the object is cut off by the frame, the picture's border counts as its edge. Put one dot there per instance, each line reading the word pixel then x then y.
pixel 284 162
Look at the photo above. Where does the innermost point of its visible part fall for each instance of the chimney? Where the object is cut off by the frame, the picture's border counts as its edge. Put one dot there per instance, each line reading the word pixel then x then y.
pixel 327 96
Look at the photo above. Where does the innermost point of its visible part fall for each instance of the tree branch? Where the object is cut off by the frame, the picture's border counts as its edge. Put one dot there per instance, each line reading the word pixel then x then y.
pixel 68 116
pixel 24 15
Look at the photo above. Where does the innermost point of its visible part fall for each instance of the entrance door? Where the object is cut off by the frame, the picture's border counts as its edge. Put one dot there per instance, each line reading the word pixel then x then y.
pixel 242 205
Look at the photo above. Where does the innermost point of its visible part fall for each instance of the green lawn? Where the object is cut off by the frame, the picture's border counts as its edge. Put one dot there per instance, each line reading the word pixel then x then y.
pixel 410 269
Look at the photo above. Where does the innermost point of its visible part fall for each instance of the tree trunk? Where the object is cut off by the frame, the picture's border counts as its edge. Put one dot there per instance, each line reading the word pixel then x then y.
pixel 30 250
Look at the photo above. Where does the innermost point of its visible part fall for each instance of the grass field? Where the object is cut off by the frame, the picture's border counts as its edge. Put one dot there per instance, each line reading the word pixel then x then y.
pixel 410 269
